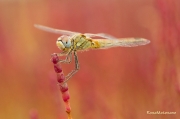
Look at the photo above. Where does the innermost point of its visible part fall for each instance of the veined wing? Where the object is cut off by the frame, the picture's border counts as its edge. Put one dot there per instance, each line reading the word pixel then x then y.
pixel 70 33
pixel 122 42
pixel 102 35
pixel 57 31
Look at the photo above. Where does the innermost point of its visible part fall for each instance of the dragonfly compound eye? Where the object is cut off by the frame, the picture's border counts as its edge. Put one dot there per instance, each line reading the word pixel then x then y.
pixel 67 43
pixel 60 44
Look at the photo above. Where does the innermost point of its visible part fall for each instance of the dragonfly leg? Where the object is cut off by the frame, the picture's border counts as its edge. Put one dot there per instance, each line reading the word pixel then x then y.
pixel 75 70
pixel 68 58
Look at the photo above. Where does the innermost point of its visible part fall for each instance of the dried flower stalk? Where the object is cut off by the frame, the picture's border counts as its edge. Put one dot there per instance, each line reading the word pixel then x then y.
pixel 63 86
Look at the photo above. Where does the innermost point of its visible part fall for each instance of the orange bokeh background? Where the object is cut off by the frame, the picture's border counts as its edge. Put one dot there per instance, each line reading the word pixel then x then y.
pixel 118 83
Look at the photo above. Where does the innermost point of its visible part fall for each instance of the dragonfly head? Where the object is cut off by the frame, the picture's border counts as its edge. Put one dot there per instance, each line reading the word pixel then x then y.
pixel 63 42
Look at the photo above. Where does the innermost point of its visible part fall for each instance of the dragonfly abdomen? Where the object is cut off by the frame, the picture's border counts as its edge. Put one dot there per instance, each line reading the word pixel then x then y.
pixel 102 43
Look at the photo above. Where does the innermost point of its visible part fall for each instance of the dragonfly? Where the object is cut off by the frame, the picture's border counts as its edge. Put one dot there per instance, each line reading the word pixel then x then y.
pixel 71 42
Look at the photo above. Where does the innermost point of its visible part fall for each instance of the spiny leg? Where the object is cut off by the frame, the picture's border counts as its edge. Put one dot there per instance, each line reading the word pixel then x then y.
pixel 68 58
pixel 75 70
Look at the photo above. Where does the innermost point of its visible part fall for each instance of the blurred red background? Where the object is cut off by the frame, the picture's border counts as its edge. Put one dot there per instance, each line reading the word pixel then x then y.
pixel 118 83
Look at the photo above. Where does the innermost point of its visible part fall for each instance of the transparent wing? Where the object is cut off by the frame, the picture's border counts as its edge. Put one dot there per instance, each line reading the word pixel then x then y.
pixel 52 30
pixel 132 42
pixel 102 35
pixel 122 42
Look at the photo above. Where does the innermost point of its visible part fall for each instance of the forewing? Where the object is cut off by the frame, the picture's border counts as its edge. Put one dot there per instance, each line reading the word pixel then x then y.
pixel 52 30
pixel 102 35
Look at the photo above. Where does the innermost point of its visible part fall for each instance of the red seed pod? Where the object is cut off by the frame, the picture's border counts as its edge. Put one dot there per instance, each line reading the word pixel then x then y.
pixel 64 88
pixel 55 58
pixel 57 68
pixel 65 96
pixel 60 77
